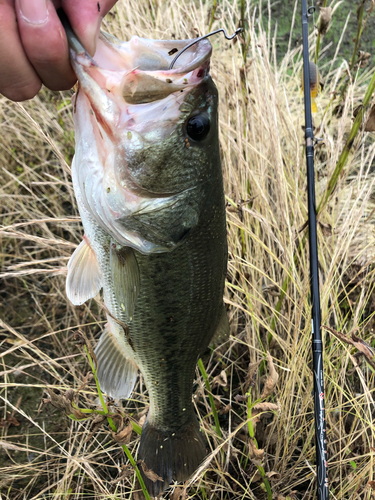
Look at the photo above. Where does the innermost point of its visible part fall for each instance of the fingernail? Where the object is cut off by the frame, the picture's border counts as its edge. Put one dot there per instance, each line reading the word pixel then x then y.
pixel 92 34
pixel 34 11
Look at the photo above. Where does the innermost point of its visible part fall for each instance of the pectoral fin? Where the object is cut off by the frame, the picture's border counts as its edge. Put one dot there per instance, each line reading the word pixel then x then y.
pixel 84 280
pixel 117 372
pixel 125 278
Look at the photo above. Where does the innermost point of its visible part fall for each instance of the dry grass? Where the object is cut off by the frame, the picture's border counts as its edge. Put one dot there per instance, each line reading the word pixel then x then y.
pixel 45 455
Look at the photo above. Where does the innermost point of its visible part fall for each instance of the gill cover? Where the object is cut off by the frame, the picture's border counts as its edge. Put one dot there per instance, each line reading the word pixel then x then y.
pixel 128 104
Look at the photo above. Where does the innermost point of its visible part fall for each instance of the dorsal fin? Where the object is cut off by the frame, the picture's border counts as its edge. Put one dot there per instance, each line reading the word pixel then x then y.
pixel 84 280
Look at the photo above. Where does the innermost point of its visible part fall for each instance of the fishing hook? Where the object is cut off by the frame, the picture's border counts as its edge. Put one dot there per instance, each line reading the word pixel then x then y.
pixel 238 30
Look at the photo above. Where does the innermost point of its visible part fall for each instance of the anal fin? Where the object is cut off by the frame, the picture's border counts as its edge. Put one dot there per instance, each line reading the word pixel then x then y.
pixel 84 280
pixel 116 371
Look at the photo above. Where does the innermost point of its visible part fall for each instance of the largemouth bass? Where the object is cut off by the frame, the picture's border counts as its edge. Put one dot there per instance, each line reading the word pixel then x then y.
pixel 149 187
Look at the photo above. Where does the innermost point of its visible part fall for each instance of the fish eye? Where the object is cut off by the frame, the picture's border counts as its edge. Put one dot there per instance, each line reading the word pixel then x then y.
pixel 197 127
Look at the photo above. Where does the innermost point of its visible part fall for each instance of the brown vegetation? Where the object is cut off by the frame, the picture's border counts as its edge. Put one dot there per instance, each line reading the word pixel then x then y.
pixel 261 378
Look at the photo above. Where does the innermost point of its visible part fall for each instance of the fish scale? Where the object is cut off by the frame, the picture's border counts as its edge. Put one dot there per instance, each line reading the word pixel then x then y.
pixel 173 326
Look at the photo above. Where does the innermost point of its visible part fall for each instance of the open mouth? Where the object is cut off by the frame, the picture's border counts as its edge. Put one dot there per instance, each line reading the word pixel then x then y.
pixel 154 55
pixel 138 70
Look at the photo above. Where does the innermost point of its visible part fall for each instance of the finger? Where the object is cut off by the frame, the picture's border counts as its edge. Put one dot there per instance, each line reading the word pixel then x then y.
pixel 45 43
pixel 18 79
pixel 85 17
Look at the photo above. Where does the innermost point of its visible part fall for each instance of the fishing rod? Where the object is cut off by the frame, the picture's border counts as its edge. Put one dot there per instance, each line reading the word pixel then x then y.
pixel 317 345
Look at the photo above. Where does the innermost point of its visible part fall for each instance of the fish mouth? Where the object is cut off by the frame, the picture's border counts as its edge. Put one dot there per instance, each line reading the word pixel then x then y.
pixel 138 70
pixel 157 55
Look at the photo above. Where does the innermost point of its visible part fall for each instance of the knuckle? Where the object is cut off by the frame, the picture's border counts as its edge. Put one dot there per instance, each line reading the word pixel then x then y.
pixel 20 92
pixel 47 58
pixel 63 84
pixel 47 47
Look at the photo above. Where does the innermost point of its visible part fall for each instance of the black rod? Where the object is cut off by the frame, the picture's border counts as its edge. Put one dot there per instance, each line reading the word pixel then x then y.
pixel 317 345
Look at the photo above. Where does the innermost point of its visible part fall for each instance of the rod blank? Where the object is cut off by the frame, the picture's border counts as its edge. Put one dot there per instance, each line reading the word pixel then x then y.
pixel 317 345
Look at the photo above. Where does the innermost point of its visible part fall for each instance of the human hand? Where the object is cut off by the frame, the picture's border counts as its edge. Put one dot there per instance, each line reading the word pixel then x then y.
pixel 33 44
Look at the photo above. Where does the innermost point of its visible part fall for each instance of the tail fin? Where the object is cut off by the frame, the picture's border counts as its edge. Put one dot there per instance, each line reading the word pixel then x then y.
pixel 172 454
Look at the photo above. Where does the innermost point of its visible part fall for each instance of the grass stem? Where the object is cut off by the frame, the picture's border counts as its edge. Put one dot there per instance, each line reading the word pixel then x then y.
pixel 212 403
pixel 360 12
pixel 114 428
pixel 348 148
pixel 317 47
pixel 252 437
pixel 212 17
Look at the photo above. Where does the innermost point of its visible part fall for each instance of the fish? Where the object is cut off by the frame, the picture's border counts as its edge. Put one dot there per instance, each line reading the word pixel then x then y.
pixel 148 182
pixel 314 85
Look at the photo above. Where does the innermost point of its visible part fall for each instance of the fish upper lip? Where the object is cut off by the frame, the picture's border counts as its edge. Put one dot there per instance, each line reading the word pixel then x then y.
pixel 198 56
pixel 202 55
pixel 138 71
pixel 201 52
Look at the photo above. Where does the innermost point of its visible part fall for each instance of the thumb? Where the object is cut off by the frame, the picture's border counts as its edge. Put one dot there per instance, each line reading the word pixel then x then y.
pixel 85 16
